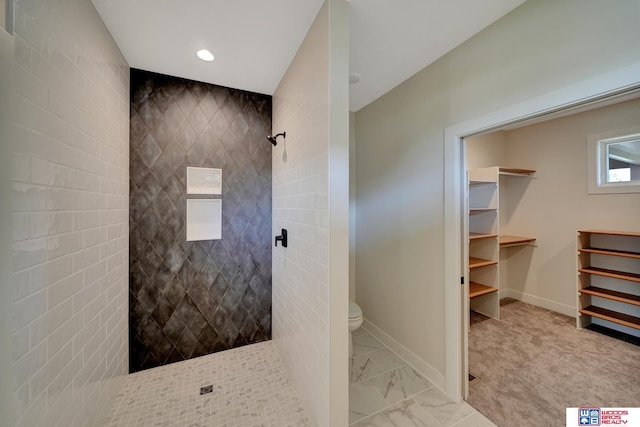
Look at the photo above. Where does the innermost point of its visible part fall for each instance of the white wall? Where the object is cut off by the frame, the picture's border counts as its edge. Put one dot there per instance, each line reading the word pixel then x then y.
pixel 6 92
pixel 487 150
pixel 339 205
pixel 352 206
pixel 541 46
pixel 70 213
pixel 310 200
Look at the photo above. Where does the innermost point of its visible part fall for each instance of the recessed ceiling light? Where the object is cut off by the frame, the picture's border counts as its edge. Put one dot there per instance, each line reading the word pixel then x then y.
pixel 205 55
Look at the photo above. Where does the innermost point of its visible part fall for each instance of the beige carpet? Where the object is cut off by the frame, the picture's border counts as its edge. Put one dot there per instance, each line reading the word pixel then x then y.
pixel 534 363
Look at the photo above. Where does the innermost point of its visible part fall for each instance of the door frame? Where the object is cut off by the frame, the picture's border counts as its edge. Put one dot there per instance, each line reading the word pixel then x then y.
pixel 597 89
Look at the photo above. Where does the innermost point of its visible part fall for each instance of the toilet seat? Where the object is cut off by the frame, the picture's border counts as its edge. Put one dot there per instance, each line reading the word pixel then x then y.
pixel 355 312
pixel 355 321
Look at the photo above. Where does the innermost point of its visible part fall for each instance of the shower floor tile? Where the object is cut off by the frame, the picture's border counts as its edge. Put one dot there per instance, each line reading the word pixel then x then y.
pixel 250 388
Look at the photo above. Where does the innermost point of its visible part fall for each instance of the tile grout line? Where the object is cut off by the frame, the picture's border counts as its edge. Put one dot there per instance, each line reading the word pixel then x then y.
pixel 401 401
pixel 411 397
pixel 381 373
pixel 385 372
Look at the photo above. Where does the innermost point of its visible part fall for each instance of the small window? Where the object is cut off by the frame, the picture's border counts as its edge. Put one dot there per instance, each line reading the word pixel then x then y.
pixel 614 162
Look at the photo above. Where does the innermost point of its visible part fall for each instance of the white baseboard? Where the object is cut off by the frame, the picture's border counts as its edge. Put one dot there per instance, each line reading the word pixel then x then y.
pixel 412 359
pixel 567 310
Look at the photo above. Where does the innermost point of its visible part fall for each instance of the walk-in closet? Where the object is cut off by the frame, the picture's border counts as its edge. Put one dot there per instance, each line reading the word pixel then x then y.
pixel 553 254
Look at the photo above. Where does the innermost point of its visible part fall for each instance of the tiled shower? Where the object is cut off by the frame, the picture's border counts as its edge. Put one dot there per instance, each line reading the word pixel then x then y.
pixel 191 298
pixel 71 213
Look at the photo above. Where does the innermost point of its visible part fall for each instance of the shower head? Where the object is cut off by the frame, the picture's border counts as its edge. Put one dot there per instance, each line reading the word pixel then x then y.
pixel 273 139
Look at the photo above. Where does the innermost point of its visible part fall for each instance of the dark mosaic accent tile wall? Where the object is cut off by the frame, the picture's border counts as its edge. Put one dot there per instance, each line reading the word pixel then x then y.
pixel 189 299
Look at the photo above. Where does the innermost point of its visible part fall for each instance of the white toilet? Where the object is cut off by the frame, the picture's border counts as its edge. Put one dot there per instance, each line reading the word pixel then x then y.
pixel 355 321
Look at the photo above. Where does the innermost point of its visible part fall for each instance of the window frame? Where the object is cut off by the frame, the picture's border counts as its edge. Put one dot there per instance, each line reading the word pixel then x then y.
pixel 597 156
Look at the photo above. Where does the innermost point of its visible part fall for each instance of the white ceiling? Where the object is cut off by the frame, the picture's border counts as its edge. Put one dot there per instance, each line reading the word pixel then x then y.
pixel 254 41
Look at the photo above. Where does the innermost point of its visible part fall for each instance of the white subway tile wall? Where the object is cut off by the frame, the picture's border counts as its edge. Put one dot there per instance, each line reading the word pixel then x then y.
pixel 70 215
pixel 300 204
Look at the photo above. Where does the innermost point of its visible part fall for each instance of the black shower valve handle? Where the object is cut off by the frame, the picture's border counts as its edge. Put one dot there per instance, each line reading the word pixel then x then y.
pixel 282 238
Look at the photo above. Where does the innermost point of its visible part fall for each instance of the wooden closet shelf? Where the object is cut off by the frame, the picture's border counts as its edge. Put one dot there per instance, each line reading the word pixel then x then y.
pixel 473 211
pixel 611 232
pixel 516 171
pixel 477 289
pixel 482 182
pixel 622 275
pixel 507 241
pixel 612 252
pixel 612 316
pixel 612 295
pixel 474 236
pixel 479 262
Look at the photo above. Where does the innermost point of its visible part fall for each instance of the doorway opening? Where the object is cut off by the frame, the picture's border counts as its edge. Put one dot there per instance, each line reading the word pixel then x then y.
pixel 524 345
pixel 611 88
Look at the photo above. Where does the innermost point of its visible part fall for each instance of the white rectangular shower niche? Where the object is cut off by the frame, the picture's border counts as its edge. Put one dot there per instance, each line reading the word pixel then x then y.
pixel 204 216
pixel 204 181
pixel 204 219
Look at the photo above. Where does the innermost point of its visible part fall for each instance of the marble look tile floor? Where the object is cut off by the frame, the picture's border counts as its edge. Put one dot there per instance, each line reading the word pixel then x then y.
pixel 385 392
pixel 250 388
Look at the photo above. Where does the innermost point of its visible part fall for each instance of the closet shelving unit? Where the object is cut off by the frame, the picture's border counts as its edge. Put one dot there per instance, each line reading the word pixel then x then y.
pixel 485 240
pixel 609 278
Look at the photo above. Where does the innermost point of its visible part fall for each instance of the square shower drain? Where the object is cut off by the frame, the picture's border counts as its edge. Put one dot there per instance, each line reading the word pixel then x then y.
pixel 206 390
